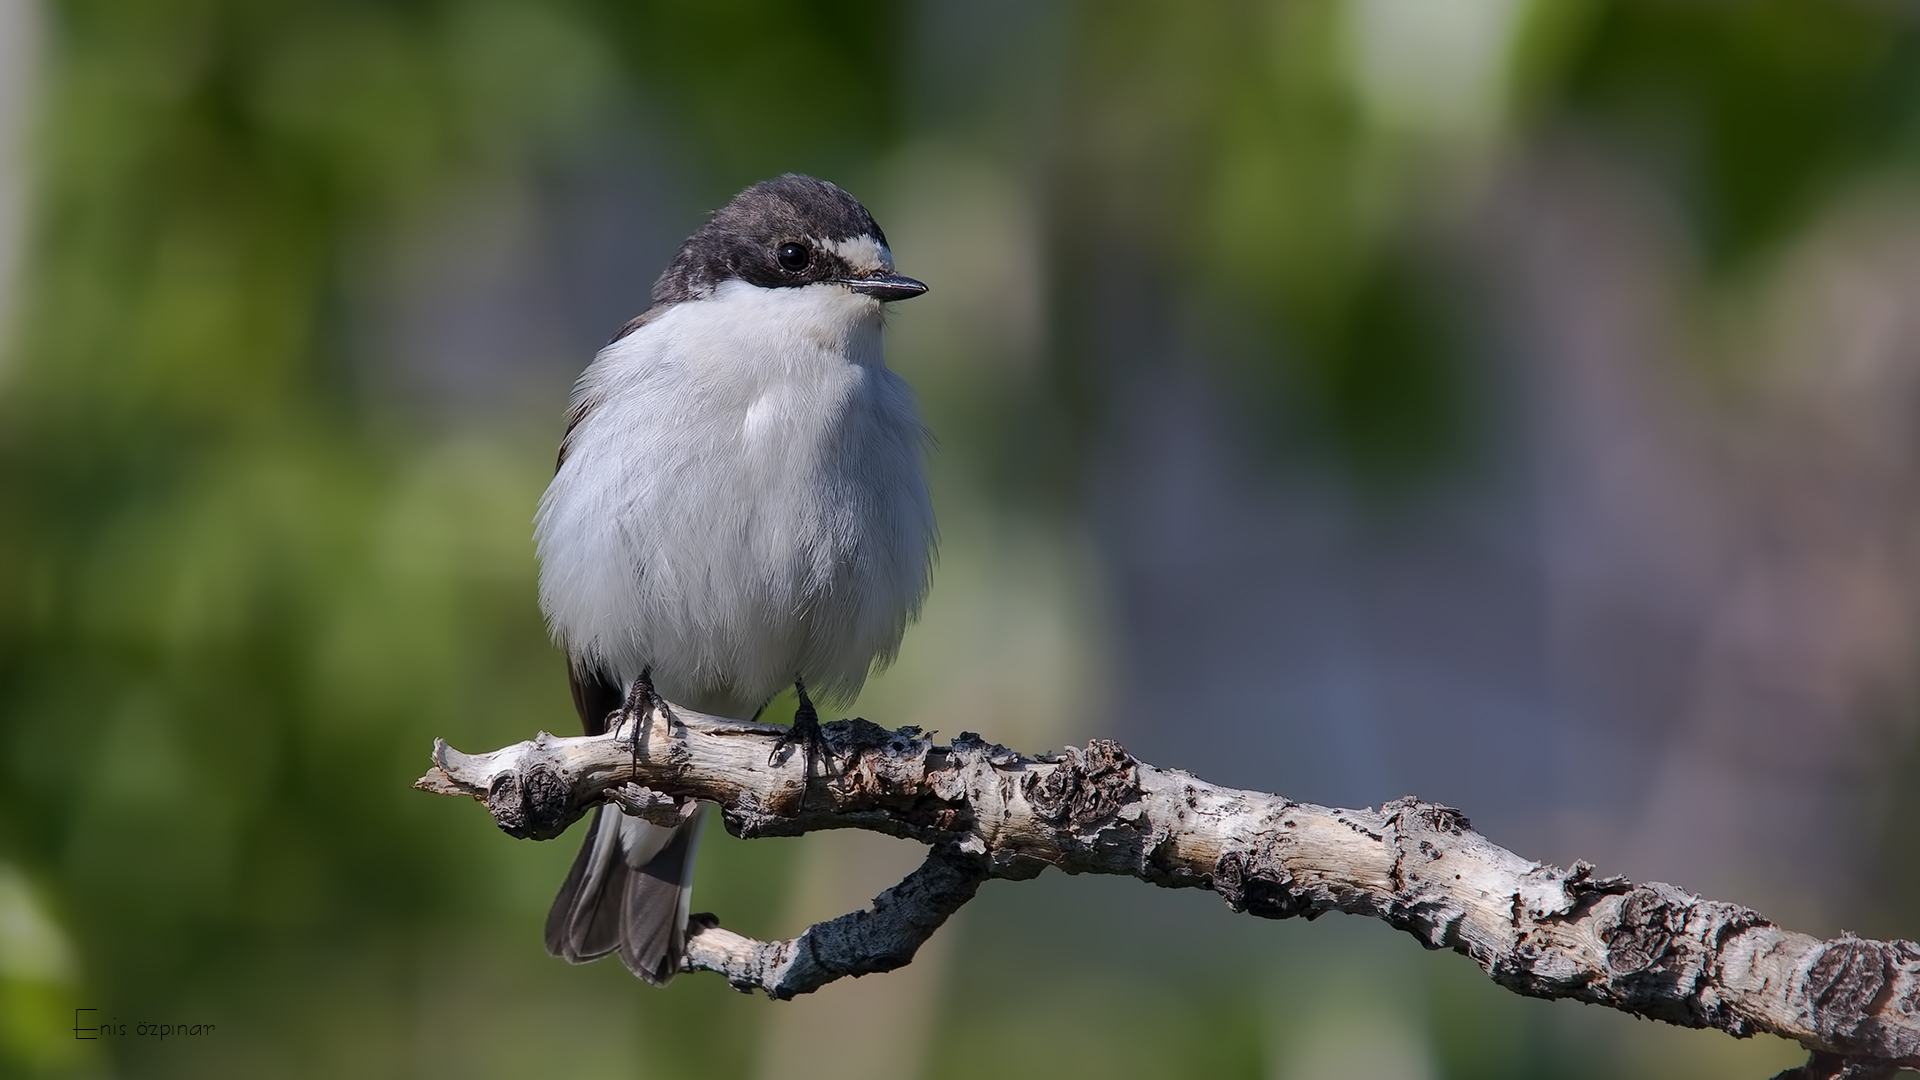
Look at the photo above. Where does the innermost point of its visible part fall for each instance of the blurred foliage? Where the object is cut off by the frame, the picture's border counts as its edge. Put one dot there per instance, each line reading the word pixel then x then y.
pixel 242 594
pixel 1287 164
pixel 1752 121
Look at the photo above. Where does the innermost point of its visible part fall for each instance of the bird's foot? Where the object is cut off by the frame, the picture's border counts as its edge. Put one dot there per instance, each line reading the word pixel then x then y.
pixel 806 735
pixel 641 699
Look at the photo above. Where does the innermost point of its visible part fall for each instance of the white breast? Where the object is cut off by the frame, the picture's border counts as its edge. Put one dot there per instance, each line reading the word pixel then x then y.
pixel 742 503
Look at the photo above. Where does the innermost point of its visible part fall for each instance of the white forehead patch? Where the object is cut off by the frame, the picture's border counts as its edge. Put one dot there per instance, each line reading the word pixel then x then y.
pixel 863 254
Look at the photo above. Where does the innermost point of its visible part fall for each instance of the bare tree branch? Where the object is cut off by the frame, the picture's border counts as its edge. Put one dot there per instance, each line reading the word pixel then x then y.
pixel 1649 949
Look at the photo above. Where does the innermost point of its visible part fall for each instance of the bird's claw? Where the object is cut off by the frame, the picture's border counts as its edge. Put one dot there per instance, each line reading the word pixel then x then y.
pixel 806 735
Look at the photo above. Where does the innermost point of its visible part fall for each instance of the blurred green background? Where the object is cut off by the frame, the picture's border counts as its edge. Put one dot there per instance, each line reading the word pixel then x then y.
pixel 1510 402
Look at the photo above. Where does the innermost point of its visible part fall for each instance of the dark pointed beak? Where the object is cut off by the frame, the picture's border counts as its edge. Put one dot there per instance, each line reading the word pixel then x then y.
pixel 886 286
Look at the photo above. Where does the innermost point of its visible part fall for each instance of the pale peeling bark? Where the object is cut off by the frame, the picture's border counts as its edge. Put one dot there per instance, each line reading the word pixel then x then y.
pixel 1645 948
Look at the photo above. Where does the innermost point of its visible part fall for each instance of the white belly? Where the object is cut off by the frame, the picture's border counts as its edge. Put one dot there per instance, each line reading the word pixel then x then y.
pixel 734 517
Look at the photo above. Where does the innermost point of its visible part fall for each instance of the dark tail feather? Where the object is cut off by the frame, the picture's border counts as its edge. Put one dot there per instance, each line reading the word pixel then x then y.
pixel 657 903
pixel 607 903
pixel 580 925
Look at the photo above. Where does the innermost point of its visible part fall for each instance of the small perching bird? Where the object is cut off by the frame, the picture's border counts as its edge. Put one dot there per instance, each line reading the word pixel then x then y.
pixel 740 504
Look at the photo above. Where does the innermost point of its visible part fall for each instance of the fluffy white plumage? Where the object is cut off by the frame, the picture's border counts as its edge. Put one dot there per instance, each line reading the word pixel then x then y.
pixel 742 501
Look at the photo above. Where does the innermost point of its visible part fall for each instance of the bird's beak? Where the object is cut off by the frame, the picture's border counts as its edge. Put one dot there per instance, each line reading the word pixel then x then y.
pixel 886 286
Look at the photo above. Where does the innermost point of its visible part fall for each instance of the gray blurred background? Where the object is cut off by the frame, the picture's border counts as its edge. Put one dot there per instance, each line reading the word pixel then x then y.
pixel 1508 402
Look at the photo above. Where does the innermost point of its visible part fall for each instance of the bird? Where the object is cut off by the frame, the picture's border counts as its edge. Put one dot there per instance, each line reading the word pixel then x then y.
pixel 739 505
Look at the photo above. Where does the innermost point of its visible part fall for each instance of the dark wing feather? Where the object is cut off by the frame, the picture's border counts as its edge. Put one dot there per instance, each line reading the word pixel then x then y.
pixel 605 904
pixel 595 698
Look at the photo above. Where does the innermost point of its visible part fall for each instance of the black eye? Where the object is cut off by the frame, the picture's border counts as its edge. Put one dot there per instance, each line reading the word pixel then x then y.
pixel 794 256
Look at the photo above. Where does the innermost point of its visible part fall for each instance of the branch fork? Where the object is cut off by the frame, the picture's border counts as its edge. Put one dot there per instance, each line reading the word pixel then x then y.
pixel 985 812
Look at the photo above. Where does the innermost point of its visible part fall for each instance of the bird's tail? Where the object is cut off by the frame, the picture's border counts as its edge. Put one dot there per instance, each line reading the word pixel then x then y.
pixel 629 890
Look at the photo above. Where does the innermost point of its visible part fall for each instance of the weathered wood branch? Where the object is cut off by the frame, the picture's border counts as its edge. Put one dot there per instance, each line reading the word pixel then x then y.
pixel 1649 949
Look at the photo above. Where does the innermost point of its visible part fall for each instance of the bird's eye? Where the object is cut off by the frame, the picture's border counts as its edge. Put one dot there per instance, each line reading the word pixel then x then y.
pixel 794 256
